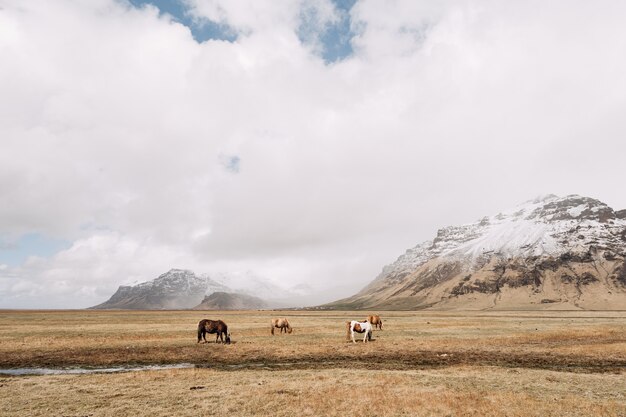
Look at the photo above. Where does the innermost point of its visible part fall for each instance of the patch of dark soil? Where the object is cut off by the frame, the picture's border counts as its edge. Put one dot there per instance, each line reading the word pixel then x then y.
pixel 433 359
pixel 576 257
pixel 621 274
pixel 587 278
pixel 551 264
pixel 223 357
pixel 527 278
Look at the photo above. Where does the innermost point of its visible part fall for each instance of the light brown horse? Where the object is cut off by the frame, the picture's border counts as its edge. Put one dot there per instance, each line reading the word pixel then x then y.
pixel 282 324
pixel 376 321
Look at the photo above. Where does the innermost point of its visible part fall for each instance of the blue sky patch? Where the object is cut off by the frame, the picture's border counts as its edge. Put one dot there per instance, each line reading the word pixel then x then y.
pixel 14 253
pixel 201 30
pixel 335 38
pixel 232 163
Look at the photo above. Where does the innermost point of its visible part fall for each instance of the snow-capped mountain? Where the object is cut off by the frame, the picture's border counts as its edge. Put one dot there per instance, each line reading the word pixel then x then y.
pixel 551 252
pixel 182 289
pixel 176 289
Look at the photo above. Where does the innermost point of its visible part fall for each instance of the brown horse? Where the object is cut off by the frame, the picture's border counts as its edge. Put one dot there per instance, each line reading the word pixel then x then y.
pixel 213 326
pixel 376 321
pixel 282 324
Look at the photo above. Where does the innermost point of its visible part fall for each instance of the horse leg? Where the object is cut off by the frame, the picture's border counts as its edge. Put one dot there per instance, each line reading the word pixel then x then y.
pixel 272 330
pixel 352 334
pixel 201 335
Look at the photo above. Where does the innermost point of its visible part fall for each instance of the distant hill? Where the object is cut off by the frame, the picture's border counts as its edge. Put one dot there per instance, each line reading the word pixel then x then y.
pixel 176 289
pixel 184 289
pixel 230 301
pixel 550 253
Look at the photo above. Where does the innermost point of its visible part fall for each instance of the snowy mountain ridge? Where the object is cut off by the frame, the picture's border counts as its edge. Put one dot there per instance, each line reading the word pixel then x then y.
pixel 180 289
pixel 174 289
pixel 552 252
pixel 548 226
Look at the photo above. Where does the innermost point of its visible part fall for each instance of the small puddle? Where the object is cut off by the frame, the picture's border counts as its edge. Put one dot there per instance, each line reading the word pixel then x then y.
pixel 74 371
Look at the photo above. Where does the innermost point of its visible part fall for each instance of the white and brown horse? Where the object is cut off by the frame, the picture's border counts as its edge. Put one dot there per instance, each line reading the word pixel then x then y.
pixel 376 321
pixel 282 324
pixel 359 327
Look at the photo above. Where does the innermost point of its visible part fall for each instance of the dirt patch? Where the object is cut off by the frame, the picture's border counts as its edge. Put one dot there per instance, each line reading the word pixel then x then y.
pixel 426 359
pixel 375 360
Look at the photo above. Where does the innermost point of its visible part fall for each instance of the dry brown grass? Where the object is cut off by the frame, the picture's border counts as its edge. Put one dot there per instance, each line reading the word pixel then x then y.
pixel 560 340
pixel 456 391
pixel 423 364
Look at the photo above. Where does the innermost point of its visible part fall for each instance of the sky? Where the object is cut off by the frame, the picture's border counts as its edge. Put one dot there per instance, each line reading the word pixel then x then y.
pixel 308 142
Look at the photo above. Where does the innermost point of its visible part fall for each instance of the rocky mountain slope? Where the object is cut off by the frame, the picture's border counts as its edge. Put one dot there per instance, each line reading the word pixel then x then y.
pixel 176 289
pixel 550 253
pixel 230 301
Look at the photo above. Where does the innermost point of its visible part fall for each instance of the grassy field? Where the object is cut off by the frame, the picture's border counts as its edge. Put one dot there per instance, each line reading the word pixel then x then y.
pixel 422 364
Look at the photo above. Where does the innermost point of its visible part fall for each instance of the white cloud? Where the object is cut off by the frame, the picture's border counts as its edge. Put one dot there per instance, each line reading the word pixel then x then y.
pixel 115 125
pixel 257 16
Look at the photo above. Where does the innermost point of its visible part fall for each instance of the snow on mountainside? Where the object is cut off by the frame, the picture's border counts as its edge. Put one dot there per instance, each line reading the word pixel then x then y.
pixel 174 281
pixel 175 289
pixel 509 251
pixel 181 289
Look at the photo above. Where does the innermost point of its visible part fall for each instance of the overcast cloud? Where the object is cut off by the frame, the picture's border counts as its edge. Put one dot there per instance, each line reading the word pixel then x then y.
pixel 143 149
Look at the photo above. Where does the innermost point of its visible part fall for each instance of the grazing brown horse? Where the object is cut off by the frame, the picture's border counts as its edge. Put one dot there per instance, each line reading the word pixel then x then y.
pixel 282 324
pixel 213 326
pixel 376 321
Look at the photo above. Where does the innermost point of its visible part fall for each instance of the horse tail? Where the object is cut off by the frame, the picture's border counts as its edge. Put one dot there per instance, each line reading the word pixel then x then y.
pixel 226 333
pixel 200 330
